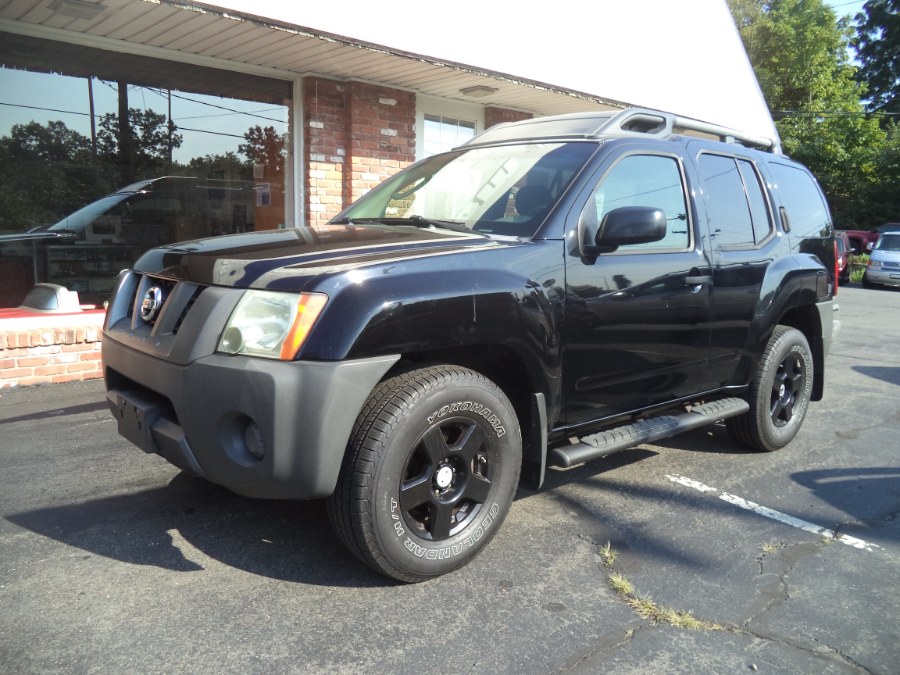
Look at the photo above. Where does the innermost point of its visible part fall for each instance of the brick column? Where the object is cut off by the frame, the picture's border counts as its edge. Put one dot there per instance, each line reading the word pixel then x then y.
pixel 357 135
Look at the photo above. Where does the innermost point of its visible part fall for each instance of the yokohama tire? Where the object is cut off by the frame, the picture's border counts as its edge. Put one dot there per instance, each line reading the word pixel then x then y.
pixel 779 394
pixel 430 472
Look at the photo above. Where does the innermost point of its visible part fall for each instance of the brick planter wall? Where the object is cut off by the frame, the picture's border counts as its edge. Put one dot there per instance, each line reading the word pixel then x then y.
pixel 64 351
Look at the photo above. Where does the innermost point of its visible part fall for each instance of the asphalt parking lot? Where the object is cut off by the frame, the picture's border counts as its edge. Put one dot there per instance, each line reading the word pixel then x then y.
pixel 112 561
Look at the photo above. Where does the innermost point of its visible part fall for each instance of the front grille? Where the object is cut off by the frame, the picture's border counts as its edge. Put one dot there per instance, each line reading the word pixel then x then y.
pixel 161 305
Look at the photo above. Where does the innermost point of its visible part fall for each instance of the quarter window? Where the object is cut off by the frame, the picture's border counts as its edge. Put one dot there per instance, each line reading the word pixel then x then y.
pixel 803 202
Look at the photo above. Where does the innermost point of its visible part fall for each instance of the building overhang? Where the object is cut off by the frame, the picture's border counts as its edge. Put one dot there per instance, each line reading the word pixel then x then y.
pixel 205 35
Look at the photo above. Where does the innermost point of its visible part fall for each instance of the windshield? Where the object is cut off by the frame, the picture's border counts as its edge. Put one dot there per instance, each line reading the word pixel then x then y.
pixel 888 242
pixel 78 221
pixel 507 190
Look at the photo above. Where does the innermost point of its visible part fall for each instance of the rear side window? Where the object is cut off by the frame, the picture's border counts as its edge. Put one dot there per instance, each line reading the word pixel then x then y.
pixel 735 202
pixel 805 206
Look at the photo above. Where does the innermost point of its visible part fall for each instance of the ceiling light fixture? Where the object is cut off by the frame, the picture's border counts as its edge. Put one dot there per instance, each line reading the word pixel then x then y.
pixel 77 9
pixel 478 91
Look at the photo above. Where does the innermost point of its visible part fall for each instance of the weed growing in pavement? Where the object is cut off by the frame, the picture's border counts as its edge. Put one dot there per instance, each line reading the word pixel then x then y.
pixel 644 606
pixel 608 555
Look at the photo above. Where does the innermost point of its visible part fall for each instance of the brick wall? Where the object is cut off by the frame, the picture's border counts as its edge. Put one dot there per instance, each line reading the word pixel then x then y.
pixel 35 354
pixel 357 134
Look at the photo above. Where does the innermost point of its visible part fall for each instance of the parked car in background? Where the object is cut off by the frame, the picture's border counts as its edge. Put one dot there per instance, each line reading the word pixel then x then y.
pixel 884 263
pixel 861 241
pixel 844 250
pixel 85 251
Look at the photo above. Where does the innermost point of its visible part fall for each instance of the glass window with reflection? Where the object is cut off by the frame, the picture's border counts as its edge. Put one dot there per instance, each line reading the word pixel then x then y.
pixel 645 180
pixel 103 156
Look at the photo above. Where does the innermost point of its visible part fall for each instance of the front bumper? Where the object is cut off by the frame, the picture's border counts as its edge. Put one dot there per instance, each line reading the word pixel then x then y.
pixel 883 277
pixel 204 416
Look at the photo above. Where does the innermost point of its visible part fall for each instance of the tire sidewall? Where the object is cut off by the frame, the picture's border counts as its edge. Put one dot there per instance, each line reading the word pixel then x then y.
pixel 404 549
pixel 791 343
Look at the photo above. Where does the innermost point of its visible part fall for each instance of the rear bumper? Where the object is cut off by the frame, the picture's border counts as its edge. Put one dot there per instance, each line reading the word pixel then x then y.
pixel 208 416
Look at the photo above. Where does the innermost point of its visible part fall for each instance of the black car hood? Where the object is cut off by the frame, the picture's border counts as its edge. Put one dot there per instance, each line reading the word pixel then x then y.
pixel 287 259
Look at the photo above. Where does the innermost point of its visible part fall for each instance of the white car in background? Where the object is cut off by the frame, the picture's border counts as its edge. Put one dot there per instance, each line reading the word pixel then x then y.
pixel 884 262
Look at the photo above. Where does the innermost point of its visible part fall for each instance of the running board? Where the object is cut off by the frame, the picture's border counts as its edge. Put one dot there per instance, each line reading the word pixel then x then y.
pixel 645 431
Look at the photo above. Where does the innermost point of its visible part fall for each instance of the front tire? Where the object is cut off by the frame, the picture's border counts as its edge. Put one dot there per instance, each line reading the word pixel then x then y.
pixel 779 394
pixel 430 472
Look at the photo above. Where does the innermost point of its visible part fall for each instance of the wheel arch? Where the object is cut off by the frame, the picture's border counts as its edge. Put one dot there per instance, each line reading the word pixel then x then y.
pixel 508 369
pixel 806 319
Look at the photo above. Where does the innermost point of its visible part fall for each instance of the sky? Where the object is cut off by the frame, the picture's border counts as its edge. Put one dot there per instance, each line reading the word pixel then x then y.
pixel 42 97
pixel 25 97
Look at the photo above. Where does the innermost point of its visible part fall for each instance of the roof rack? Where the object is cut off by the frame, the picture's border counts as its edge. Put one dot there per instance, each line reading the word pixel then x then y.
pixel 638 122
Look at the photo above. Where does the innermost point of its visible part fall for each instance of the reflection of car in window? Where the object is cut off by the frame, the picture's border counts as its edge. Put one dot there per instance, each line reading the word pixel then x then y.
pixel 86 250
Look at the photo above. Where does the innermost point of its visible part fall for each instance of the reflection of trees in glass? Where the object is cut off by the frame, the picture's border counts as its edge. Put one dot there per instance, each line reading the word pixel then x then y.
pixel 265 147
pixel 48 171
pixel 45 171
pixel 152 138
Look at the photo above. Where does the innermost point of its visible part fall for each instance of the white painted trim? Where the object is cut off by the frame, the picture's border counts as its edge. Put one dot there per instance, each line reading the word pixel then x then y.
pixel 435 105
pixel 298 148
pixel 125 47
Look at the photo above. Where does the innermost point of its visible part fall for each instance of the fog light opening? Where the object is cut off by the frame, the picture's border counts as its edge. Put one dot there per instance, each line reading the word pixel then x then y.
pixel 255 440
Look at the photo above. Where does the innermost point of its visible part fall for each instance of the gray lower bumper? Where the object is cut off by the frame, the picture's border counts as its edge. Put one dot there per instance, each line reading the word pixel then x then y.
pixel 204 417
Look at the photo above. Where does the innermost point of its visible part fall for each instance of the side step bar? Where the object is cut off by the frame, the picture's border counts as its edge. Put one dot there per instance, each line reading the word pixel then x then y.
pixel 645 431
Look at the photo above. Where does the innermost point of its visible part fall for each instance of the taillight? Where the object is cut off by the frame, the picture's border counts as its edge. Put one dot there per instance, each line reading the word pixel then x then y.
pixel 837 268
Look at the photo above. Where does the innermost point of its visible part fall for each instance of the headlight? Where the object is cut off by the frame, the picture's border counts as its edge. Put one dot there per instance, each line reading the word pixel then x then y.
pixel 269 324
pixel 874 264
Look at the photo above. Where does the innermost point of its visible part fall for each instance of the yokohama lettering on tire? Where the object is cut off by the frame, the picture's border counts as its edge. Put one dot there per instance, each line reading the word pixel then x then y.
pixel 430 472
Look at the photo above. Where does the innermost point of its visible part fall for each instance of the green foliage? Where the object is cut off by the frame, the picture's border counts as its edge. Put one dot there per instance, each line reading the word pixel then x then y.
pixel 798 50
pixel 46 171
pixel 150 136
pixel 877 45
pixel 264 147
pixel 221 167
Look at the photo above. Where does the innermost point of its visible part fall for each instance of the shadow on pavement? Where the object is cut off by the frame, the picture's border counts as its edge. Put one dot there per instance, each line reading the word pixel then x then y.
pixel 176 527
pixel 889 374
pixel 870 496
pixel 58 412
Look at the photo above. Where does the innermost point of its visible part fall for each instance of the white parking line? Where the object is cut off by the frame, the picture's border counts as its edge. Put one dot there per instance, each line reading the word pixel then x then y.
pixel 774 515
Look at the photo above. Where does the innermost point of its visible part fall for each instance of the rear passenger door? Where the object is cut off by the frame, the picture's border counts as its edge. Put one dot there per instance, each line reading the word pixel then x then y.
pixel 744 242
pixel 638 318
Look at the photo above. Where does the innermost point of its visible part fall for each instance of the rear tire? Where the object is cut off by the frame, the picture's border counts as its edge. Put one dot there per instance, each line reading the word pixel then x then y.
pixel 779 394
pixel 430 472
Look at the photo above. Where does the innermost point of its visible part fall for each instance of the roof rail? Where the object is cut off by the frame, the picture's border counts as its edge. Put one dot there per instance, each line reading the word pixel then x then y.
pixel 638 122
pixel 641 121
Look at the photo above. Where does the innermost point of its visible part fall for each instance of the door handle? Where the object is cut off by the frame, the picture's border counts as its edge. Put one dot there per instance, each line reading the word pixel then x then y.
pixel 697 279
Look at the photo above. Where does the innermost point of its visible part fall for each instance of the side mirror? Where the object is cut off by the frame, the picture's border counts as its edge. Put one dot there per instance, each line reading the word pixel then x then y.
pixel 626 226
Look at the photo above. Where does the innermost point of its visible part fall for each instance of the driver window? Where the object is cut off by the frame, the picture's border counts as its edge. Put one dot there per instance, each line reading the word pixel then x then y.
pixel 645 180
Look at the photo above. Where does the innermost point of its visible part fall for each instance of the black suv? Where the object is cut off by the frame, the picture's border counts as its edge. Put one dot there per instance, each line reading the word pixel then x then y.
pixel 553 291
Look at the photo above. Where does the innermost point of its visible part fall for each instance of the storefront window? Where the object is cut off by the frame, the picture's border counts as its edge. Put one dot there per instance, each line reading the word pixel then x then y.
pixel 105 155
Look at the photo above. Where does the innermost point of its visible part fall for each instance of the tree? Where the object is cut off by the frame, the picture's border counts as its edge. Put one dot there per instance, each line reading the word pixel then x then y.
pixel 46 171
pixel 798 50
pixel 265 147
pixel 877 45
pixel 221 167
pixel 150 135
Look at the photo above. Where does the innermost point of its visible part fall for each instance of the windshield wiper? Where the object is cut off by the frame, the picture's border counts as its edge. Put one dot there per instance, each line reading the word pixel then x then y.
pixel 415 221
pixel 421 221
